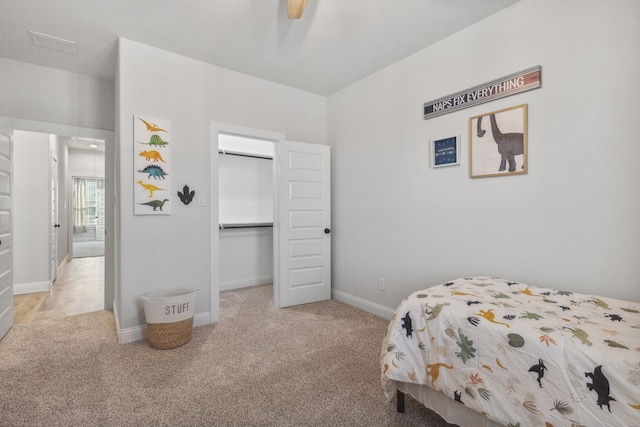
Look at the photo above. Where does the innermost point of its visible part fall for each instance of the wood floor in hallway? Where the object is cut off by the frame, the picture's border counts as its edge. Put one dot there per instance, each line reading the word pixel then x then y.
pixel 78 289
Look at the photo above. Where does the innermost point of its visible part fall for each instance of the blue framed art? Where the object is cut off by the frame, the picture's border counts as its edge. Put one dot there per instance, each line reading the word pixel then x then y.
pixel 445 152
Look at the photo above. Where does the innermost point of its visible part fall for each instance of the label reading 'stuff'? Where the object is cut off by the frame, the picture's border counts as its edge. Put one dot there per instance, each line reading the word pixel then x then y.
pixel 176 308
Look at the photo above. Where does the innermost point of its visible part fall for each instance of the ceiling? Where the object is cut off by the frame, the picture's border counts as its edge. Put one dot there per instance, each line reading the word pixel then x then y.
pixel 334 44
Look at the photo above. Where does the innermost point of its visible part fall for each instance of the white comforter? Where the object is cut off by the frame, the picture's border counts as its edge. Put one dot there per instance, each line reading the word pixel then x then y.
pixel 521 355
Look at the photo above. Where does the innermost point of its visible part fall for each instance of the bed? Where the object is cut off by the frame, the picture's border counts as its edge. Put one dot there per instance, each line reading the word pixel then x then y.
pixel 487 352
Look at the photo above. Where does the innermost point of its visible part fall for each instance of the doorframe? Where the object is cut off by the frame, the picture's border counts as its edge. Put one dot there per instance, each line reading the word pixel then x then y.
pixel 275 137
pixel 110 269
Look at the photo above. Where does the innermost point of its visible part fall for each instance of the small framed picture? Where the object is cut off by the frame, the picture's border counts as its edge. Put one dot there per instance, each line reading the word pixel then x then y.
pixel 498 143
pixel 445 152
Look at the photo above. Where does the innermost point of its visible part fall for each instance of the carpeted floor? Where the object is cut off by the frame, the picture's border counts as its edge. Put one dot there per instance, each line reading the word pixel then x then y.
pixel 89 248
pixel 310 365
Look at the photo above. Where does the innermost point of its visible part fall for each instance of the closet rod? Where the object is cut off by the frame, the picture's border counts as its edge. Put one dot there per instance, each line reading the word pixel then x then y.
pixel 238 153
pixel 245 225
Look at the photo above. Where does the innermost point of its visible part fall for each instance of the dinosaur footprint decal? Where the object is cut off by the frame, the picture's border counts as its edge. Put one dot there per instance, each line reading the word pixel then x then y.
pixel 186 196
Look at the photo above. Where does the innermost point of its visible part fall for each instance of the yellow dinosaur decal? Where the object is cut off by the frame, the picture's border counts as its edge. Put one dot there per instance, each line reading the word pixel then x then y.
pixel 433 370
pixel 489 315
pixel 527 291
pixel 150 188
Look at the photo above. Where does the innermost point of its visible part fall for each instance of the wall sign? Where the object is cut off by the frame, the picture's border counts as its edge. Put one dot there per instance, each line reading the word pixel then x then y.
pixel 445 152
pixel 510 85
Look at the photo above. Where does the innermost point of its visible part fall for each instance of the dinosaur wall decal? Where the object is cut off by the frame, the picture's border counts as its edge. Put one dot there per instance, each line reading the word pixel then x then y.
pixel 155 204
pixel 150 188
pixel 152 155
pixel 509 144
pixel 151 127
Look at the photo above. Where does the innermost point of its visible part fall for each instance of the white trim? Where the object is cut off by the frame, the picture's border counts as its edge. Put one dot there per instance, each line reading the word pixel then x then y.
pixel 138 333
pixel 245 283
pixel 27 288
pixel 363 304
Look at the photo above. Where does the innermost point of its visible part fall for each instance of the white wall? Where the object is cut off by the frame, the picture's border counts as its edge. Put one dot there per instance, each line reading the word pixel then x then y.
pixel 86 163
pixel 54 96
pixel 246 189
pixel 571 222
pixel 171 251
pixel 31 211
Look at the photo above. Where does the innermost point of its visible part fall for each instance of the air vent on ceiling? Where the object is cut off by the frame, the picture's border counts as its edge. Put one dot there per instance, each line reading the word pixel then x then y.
pixel 55 43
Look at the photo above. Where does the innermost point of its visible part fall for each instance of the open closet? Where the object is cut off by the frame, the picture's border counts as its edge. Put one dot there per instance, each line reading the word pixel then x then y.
pixel 245 211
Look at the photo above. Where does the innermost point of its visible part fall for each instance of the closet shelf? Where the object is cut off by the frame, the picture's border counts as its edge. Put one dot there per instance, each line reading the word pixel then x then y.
pixel 226 226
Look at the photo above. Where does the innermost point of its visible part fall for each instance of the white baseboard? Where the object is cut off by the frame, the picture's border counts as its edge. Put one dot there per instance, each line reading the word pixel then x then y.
pixel 138 333
pixel 363 304
pixel 27 288
pixel 245 283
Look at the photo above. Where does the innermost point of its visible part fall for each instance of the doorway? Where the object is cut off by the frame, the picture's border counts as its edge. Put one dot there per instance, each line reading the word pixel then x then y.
pixel 301 217
pixel 88 211
pixel 71 285
pixel 245 211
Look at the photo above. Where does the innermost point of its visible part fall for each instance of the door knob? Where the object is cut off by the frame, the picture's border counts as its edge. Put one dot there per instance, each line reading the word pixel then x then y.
pixel 327 230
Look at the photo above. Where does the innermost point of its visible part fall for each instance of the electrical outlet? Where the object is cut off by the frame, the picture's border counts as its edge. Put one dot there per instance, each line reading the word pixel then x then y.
pixel 380 284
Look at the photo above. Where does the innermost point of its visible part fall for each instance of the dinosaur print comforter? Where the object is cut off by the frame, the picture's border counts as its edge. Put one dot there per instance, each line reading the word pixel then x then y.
pixel 521 355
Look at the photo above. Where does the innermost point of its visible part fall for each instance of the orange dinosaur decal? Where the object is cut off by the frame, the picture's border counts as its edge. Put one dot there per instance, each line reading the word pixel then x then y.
pixel 151 155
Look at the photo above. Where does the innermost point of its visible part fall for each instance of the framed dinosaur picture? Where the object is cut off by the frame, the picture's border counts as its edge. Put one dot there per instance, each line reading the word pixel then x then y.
pixel 498 143
pixel 151 166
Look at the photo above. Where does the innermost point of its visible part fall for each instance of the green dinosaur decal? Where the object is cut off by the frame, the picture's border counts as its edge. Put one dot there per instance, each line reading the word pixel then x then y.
pixel 155 204
pixel 580 334
pixel 467 351
pixel 434 311
pixel 599 303
pixel 155 141
pixel 501 295
pixel 533 316
pixel 565 293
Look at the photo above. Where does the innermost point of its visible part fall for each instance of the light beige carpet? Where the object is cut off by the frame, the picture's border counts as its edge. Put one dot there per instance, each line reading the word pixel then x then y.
pixel 311 365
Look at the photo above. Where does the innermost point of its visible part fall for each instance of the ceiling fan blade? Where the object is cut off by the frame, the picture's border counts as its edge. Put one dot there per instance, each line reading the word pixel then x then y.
pixel 295 8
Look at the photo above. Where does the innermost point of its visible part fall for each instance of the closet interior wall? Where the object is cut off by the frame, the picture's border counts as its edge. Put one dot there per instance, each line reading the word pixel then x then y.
pixel 246 212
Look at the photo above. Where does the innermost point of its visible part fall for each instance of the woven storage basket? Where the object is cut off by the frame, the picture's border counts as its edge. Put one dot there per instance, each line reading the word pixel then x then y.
pixel 164 336
pixel 169 317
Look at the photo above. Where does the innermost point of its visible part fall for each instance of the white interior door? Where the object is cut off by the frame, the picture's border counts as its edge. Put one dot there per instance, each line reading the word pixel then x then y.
pixel 6 243
pixel 53 251
pixel 303 215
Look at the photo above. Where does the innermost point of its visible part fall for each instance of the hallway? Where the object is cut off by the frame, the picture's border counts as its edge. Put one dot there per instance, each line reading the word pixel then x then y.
pixel 78 289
